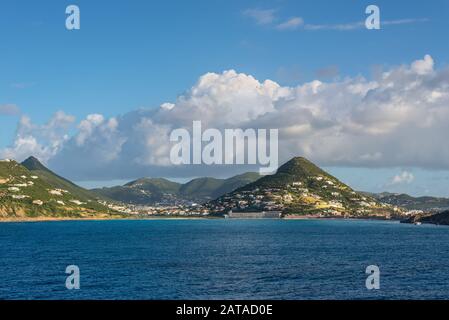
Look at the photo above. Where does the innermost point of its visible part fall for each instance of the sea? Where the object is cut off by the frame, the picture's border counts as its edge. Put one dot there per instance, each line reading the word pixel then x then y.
pixel 223 259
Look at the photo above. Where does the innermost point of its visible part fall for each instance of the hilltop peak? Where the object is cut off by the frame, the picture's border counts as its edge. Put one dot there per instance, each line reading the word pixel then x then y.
pixel 30 190
pixel 299 166
pixel 298 161
pixel 299 187
pixel 32 163
pixel 31 158
pixel 295 170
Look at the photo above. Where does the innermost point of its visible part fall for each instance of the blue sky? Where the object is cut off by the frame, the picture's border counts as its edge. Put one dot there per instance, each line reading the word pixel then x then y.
pixel 140 54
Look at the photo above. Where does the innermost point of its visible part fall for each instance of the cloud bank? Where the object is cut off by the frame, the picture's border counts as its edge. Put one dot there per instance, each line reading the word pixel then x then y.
pixel 400 119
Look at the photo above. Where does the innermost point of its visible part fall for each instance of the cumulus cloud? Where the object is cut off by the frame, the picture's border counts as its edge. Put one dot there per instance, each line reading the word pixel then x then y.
pixel 43 141
pixel 400 118
pixel 404 177
pixel 424 66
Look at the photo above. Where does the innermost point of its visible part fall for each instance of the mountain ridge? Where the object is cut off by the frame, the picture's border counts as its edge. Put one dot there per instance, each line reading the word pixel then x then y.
pixel 151 191
pixel 406 201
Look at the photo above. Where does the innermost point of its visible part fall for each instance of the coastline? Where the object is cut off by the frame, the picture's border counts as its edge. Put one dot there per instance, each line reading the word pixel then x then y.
pixel 312 217
pixel 60 219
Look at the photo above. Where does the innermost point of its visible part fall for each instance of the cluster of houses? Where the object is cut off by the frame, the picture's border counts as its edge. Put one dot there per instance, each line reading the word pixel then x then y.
pixel 160 209
pixel 15 190
pixel 318 195
pixel 249 200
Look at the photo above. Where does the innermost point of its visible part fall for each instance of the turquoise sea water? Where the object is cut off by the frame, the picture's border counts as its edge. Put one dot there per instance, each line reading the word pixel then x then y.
pixel 223 259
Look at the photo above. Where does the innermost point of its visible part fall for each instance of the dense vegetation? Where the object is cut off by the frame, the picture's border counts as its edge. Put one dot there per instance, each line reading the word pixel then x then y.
pixel 149 191
pixel 38 192
pixel 300 187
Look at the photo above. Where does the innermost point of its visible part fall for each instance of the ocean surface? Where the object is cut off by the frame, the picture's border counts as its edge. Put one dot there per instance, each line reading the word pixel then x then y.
pixel 223 259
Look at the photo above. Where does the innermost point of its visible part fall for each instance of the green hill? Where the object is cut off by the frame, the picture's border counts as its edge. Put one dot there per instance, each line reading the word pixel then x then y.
pixel 150 191
pixel 57 181
pixel 299 187
pixel 201 187
pixel 38 192
pixel 296 170
pixel 155 185
pixel 234 183
pixel 142 191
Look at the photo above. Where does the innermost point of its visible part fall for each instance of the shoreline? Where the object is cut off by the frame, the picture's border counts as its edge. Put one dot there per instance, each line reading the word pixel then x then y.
pixel 61 219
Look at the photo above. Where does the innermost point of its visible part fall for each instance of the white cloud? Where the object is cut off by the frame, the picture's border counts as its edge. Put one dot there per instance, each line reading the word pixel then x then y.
pixel 167 106
pixel 399 119
pixel 423 67
pixel 337 27
pixel 267 17
pixel 404 177
pixel 404 21
pixel 43 141
pixel 261 16
pixel 359 25
pixel 291 24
